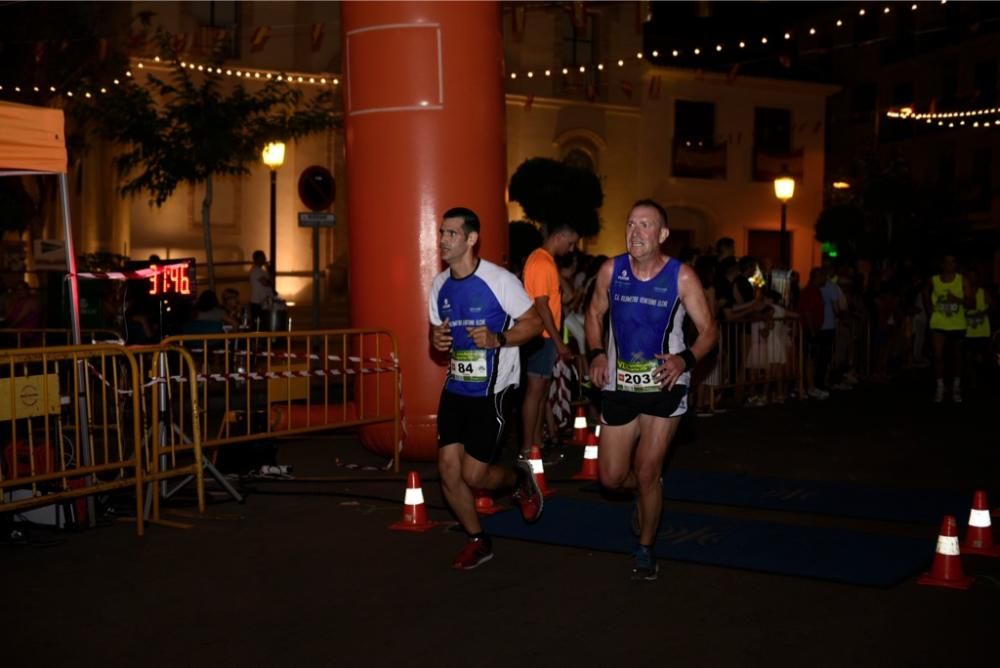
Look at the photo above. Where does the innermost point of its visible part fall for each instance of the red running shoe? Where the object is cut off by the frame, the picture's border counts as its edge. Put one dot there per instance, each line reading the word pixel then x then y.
pixel 528 496
pixel 475 553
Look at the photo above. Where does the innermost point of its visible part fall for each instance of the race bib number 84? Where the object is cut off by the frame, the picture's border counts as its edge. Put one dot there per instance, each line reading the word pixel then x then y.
pixel 637 376
pixel 468 365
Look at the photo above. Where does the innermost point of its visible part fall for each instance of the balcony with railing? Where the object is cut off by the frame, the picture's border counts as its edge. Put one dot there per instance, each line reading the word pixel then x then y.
pixel 698 159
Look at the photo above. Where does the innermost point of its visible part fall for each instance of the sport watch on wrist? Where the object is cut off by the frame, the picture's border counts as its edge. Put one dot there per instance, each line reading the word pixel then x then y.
pixel 501 339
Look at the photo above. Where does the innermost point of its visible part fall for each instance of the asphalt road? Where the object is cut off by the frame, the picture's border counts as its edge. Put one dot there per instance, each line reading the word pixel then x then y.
pixel 305 573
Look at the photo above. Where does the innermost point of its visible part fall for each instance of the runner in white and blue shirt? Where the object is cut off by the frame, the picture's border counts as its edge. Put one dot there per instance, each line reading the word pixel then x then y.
pixel 485 298
pixel 645 371
pixel 479 314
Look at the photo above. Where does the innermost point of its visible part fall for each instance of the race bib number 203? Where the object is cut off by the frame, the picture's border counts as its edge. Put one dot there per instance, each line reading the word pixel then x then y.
pixel 636 376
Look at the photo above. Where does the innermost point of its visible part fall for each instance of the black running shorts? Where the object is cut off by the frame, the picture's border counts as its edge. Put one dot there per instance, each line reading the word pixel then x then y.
pixel 618 408
pixel 475 422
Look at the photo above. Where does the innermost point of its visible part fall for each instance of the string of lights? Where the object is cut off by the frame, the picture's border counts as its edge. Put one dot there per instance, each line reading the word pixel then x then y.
pixel 156 63
pixel 328 79
pixel 968 118
pixel 908 113
pixel 777 37
pixel 304 78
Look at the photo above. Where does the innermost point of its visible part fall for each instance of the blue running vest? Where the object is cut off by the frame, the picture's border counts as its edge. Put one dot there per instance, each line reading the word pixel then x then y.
pixel 646 319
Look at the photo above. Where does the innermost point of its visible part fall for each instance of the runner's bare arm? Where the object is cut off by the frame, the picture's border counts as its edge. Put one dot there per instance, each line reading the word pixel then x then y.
pixel 594 323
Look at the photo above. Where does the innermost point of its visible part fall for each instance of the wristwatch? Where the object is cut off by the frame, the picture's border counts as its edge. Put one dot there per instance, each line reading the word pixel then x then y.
pixel 501 339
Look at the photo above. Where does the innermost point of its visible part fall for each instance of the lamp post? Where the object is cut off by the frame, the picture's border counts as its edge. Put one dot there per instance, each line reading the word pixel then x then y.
pixel 273 156
pixel 784 189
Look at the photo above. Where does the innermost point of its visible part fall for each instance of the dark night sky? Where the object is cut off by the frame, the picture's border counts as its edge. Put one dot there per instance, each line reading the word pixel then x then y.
pixel 686 25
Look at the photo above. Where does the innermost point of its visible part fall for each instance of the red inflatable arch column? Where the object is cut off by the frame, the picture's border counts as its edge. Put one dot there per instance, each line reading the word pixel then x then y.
pixel 424 116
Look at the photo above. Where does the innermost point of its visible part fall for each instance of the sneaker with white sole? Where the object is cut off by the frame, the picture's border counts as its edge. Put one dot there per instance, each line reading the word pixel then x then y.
pixel 644 566
pixel 475 553
pixel 528 495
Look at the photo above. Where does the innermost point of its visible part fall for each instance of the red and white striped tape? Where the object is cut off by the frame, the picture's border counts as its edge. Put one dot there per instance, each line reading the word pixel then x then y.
pixel 148 272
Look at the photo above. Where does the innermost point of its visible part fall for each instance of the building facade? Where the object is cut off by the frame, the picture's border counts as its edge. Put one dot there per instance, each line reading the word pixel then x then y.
pixel 706 145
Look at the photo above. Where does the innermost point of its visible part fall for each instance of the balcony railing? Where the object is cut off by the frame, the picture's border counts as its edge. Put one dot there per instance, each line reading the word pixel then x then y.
pixel 699 160
pixel 769 165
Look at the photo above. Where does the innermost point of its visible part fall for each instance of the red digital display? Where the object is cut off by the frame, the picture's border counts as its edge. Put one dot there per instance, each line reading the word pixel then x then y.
pixel 172 279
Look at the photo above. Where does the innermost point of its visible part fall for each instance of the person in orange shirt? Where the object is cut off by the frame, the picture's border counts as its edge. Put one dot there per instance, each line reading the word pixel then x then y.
pixel 541 282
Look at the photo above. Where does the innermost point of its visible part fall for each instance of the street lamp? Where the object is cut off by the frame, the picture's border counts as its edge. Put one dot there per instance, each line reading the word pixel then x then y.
pixel 273 156
pixel 784 189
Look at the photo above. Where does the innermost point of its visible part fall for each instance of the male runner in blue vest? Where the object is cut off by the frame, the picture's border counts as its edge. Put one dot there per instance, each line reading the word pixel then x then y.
pixel 479 314
pixel 644 368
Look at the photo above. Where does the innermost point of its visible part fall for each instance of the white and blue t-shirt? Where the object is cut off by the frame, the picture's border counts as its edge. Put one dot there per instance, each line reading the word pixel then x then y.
pixel 646 320
pixel 492 297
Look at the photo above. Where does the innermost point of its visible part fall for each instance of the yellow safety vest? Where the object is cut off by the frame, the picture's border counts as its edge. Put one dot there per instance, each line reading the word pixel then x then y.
pixel 948 315
pixel 978 320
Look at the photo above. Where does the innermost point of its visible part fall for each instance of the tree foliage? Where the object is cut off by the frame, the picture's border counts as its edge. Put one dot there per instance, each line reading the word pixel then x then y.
pixel 523 238
pixel 191 126
pixel 183 130
pixel 555 194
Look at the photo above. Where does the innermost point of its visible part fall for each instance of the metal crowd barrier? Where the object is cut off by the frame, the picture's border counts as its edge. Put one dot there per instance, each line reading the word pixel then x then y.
pixel 756 358
pixel 77 421
pixel 853 345
pixel 172 438
pixel 70 422
pixel 254 385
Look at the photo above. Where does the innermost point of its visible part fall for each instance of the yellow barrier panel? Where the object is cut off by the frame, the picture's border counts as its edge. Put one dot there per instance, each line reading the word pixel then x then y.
pixel 173 440
pixel 261 384
pixel 69 426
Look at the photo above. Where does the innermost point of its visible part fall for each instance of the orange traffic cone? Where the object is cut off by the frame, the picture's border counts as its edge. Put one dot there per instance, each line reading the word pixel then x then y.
pixel 589 470
pixel 414 513
pixel 580 427
pixel 484 503
pixel 539 470
pixel 979 538
pixel 946 570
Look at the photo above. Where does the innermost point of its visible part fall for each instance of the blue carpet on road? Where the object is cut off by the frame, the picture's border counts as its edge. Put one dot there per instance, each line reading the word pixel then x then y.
pixel 822 497
pixel 813 552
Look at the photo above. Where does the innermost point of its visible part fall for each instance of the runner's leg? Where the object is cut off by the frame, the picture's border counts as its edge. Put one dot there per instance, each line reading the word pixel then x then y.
pixel 451 459
pixel 655 436
pixel 615 461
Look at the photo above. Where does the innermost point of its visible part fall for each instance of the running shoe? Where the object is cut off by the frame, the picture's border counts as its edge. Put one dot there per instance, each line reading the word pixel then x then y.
pixel 644 566
pixel 475 553
pixel 956 395
pixel 528 496
pixel 939 394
